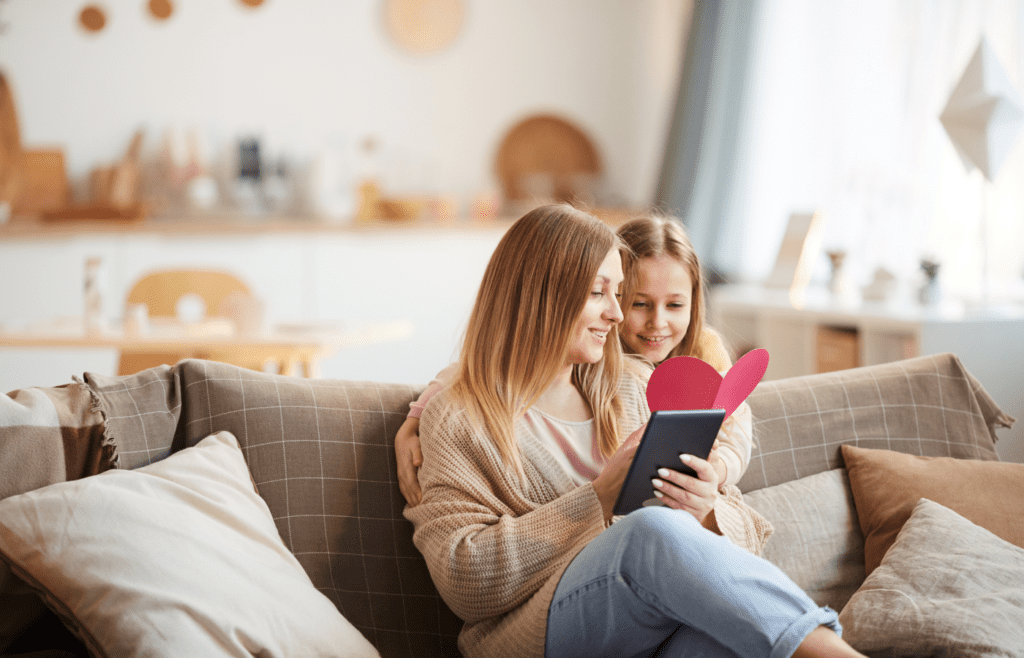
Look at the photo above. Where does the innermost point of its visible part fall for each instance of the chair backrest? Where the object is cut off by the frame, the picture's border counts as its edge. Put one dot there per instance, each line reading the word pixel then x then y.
pixel 160 291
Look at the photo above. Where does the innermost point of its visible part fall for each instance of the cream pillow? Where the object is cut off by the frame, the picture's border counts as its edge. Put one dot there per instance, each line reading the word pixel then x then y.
pixel 817 540
pixel 947 587
pixel 179 558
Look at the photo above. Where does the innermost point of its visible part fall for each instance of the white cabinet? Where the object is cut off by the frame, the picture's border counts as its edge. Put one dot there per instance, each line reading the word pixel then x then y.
pixel 990 344
pixel 428 274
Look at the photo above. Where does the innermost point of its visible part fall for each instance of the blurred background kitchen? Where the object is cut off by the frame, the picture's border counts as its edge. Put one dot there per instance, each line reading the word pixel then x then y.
pixel 353 164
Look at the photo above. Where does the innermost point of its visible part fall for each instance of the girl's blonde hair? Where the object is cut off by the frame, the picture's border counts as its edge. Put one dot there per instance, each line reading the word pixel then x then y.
pixel 517 340
pixel 661 235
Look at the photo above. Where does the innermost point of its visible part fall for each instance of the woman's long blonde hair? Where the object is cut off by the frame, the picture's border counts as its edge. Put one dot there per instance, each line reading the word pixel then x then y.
pixel 517 340
pixel 662 235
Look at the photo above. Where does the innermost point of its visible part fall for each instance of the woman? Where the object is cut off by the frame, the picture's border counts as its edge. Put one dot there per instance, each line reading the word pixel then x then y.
pixel 522 550
pixel 663 302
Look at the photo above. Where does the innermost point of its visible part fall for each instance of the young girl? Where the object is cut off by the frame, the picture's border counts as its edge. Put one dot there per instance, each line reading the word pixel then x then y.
pixel 523 550
pixel 663 302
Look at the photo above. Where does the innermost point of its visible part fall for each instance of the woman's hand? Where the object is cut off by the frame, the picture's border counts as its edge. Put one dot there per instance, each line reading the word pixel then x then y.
pixel 407 452
pixel 608 484
pixel 695 495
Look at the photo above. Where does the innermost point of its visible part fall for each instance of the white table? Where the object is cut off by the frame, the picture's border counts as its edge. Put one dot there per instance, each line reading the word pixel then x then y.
pixel 286 348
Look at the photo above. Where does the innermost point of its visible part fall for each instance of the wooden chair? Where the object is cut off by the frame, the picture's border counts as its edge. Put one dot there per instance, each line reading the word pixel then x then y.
pixel 161 291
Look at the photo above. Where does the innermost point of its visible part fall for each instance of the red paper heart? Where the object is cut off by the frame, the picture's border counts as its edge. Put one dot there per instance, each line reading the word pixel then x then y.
pixel 686 382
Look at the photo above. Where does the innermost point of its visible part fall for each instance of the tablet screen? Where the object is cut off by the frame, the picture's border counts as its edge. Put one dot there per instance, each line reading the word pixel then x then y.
pixel 668 435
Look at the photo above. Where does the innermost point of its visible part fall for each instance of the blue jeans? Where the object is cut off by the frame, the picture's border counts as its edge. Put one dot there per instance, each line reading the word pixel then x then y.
pixel 657 580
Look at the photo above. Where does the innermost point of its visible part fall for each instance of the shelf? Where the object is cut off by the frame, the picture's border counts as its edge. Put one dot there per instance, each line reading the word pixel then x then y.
pixel 26 227
pixel 33 228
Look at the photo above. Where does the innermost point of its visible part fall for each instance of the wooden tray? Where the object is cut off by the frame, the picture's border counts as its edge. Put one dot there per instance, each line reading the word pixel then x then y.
pixel 546 146
pixel 94 211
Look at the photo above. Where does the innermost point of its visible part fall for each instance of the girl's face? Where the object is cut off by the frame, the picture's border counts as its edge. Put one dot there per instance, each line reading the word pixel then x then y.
pixel 599 315
pixel 660 314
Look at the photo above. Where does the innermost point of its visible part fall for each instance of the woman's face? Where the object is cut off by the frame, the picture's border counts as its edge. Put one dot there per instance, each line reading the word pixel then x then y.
pixel 660 314
pixel 600 313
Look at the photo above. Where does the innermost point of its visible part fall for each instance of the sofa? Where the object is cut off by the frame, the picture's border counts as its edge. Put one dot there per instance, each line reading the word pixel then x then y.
pixel 883 485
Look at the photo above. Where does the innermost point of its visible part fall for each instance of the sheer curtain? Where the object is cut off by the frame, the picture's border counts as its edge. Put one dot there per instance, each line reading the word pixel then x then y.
pixel 842 115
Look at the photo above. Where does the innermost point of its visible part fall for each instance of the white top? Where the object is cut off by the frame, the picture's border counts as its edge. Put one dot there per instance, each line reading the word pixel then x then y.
pixel 571 443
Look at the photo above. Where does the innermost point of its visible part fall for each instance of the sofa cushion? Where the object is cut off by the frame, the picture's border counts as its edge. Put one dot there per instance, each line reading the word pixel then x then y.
pixel 817 540
pixel 928 406
pixel 947 587
pixel 886 486
pixel 321 453
pixel 47 435
pixel 141 413
pixel 179 558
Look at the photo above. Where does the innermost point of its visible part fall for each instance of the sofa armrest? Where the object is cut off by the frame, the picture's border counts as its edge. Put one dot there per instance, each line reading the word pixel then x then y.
pixel 929 406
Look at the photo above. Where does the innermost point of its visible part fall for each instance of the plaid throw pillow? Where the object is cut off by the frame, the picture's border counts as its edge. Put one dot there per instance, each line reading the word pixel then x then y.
pixel 321 454
pixel 927 406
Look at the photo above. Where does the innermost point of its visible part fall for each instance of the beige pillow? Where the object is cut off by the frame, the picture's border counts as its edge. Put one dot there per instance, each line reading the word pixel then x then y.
pixel 179 558
pixel 887 485
pixel 947 587
pixel 817 541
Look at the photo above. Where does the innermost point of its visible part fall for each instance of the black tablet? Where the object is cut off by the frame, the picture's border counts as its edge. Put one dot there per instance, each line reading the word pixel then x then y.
pixel 668 435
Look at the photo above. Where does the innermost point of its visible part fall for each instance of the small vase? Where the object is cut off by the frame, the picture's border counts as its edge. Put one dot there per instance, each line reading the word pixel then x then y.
pixel 930 293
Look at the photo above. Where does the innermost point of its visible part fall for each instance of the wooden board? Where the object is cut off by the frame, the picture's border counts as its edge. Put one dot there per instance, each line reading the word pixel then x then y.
pixel 10 145
pixel 44 183
pixel 546 145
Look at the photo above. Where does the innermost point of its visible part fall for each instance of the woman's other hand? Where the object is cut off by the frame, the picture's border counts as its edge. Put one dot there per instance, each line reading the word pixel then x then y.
pixel 695 495
pixel 407 452
pixel 608 484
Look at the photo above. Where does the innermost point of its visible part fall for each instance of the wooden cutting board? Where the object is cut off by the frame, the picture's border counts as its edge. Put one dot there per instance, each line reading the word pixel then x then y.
pixel 10 145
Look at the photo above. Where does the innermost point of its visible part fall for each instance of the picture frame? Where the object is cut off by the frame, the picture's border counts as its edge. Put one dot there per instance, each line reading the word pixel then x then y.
pixel 800 246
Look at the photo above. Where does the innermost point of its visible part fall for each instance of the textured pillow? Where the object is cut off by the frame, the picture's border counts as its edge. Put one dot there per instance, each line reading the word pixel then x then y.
pixel 947 587
pixel 887 485
pixel 179 558
pixel 817 540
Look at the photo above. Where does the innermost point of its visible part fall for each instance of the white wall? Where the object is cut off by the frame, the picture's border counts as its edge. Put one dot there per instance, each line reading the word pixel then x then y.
pixel 305 73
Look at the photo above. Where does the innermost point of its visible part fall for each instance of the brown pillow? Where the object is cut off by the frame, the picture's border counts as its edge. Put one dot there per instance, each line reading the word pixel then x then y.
pixel 887 485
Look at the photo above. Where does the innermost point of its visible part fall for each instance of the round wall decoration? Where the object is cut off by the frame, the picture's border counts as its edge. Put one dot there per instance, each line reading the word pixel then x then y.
pixel 92 18
pixel 161 9
pixel 423 27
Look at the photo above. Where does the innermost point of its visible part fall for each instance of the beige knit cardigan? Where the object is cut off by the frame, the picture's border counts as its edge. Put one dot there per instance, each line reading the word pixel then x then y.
pixel 496 546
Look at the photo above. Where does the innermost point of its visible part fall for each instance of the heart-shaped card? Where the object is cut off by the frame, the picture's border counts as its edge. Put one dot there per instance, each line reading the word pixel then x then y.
pixel 686 382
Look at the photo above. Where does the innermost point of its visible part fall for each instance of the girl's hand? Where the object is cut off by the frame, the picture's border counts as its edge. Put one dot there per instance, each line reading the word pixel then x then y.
pixel 407 452
pixel 716 461
pixel 695 495
pixel 608 484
